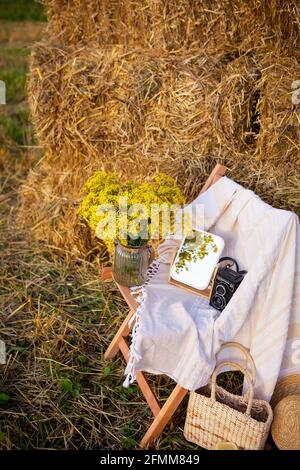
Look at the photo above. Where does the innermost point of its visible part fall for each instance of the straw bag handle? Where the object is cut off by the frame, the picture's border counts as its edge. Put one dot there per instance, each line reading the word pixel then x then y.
pixel 250 393
pixel 232 344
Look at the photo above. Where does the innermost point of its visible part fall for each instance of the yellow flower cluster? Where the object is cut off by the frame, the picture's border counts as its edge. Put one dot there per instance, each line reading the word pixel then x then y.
pixel 130 211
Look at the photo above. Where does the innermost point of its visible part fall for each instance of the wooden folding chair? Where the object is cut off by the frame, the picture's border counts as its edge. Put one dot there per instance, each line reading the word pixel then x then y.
pixel 162 415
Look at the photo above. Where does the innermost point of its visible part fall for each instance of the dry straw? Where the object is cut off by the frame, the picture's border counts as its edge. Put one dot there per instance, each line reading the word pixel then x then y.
pixel 133 102
pixel 176 24
pixel 118 101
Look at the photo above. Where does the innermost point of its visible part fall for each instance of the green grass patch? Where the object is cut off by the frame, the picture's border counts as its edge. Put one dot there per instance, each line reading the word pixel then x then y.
pixel 69 388
pixel 12 130
pixel 4 398
pixel 129 440
pixel 22 10
pixel 15 127
pixel 13 71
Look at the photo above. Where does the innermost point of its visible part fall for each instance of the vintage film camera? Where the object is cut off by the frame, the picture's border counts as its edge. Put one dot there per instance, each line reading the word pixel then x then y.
pixel 226 283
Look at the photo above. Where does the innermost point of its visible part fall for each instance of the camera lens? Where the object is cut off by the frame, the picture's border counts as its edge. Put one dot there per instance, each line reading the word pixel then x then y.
pixel 218 302
pixel 220 289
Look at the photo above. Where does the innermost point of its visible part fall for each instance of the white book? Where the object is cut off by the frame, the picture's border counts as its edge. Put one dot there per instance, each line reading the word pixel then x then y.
pixel 196 259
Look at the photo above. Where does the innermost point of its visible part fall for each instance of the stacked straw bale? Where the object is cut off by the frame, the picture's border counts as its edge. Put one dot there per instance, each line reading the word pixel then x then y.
pixel 120 107
pixel 176 24
pixel 174 86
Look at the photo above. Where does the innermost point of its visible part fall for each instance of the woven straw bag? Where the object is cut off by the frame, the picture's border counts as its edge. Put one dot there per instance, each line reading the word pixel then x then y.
pixel 215 415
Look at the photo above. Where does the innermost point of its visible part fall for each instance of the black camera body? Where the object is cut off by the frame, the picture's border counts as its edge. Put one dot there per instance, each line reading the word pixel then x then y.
pixel 226 283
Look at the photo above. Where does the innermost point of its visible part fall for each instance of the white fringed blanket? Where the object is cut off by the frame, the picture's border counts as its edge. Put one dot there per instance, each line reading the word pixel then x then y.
pixel 178 334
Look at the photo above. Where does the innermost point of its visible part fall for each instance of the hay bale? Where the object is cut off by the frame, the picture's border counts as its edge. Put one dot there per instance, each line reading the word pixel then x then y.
pixel 176 24
pixel 143 107
pixel 167 24
pixel 127 110
pixel 279 136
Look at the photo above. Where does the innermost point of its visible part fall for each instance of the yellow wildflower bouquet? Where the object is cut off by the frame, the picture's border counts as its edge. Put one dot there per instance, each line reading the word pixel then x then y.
pixel 132 212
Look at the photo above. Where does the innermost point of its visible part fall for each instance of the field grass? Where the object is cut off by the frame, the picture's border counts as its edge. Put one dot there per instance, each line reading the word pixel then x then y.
pixel 57 318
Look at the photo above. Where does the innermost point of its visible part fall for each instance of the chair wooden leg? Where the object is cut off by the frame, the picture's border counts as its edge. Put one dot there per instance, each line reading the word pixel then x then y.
pixel 124 330
pixel 106 273
pixel 218 171
pixel 142 381
pixel 164 415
